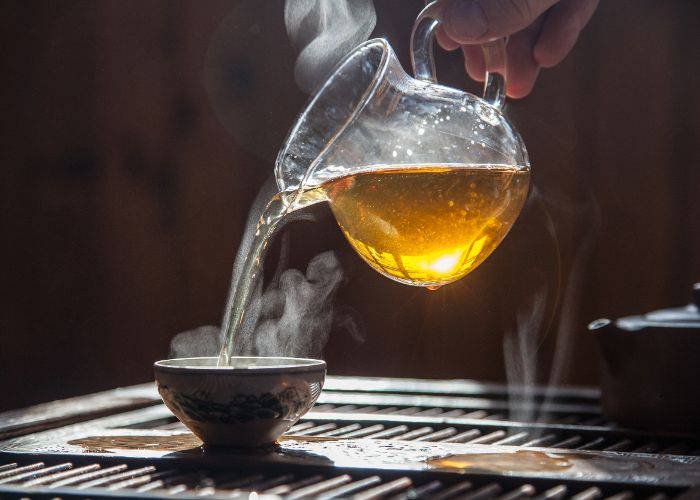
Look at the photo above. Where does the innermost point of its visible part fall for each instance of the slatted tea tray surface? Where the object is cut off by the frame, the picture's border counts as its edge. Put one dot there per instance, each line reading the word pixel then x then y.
pixel 366 438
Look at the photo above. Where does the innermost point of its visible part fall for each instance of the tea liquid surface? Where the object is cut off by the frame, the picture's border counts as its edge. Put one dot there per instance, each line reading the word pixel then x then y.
pixel 428 225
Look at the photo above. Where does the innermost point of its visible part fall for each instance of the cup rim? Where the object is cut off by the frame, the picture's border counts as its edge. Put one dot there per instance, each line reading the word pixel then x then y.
pixel 287 365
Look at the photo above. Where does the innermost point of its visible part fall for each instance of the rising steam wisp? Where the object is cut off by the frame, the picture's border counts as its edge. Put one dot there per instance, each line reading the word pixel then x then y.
pixel 521 346
pixel 323 32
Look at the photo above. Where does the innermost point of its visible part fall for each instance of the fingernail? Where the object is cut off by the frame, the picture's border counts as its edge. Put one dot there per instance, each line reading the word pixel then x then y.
pixel 466 21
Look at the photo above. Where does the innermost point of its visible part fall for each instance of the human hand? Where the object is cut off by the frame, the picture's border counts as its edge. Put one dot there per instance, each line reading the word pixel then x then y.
pixel 541 33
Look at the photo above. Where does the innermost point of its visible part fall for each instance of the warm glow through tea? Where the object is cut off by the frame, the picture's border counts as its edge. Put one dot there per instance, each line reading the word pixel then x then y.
pixel 428 225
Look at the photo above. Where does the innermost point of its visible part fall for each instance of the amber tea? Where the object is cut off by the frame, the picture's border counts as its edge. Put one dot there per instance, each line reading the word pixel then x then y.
pixel 428 225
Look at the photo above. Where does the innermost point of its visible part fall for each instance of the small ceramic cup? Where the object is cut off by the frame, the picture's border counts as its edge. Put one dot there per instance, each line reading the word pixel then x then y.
pixel 250 404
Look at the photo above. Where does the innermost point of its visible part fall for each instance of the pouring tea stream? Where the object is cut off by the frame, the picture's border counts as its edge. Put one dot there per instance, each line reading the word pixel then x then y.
pixel 424 180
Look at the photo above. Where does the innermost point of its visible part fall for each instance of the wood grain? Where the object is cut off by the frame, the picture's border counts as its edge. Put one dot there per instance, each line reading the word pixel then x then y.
pixel 136 135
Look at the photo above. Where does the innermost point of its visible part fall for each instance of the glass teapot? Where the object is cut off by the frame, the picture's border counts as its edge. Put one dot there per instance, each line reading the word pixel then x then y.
pixel 425 180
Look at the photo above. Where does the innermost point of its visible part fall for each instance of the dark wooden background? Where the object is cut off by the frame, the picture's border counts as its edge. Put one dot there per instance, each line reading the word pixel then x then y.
pixel 136 134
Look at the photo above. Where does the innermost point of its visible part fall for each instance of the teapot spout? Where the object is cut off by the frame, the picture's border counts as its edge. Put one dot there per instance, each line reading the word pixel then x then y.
pixel 608 342
pixel 599 324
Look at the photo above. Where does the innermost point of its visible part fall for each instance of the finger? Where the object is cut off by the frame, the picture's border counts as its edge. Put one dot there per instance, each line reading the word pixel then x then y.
pixel 479 21
pixel 522 67
pixel 474 62
pixel 561 30
pixel 445 41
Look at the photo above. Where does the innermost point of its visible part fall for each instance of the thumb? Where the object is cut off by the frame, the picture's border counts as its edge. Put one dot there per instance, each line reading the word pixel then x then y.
pixel 479 21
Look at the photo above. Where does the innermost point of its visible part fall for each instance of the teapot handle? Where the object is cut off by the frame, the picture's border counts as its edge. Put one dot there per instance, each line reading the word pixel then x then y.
pixel 423 62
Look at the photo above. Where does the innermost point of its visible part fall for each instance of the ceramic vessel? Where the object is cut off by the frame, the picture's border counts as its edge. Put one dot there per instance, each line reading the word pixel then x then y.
pixel 251 404
pixel 649 368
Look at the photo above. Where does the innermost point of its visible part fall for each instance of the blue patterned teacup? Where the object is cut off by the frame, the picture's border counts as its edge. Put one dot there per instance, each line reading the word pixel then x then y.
pixel 251 404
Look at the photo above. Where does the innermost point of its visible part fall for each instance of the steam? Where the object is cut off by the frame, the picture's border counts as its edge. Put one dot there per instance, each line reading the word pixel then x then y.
pixel 200 342
pixel 293 315
pixel 296 313
pixel 520 347
pixel 520 353
pixel 324 31
pixel 569 318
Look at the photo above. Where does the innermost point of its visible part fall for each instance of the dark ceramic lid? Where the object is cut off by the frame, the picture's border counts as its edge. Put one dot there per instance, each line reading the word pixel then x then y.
pixel 678 317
